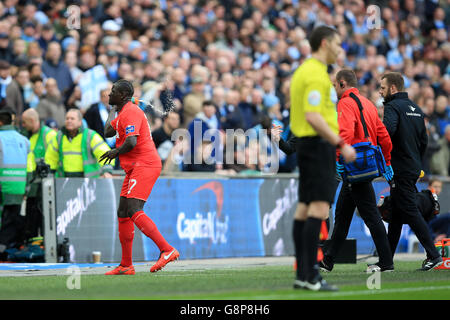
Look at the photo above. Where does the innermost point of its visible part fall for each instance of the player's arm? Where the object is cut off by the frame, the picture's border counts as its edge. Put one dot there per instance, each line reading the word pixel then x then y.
pixel 384 140
pixel 390 119
pixel 313 103
pixel 319 124
pixel 127 146
pixel 288 147
pixel 109 130
pixel 346 120
pixel 423 142
pixel 99 147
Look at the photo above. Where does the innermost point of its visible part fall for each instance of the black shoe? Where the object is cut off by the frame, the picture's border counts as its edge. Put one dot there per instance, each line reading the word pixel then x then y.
pixel 319 285
pixel 325 267
pixel 429 264
pixel 377 267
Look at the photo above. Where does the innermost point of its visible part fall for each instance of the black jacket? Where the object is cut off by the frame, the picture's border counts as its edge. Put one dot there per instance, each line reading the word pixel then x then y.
pixel 94 120
pixel 404 121
pixel 289 147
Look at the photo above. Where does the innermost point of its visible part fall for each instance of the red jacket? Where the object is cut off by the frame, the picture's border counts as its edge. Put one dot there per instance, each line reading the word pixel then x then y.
pixel 351 128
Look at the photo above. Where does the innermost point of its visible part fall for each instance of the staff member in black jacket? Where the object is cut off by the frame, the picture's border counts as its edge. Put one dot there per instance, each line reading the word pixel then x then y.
pixel 405 123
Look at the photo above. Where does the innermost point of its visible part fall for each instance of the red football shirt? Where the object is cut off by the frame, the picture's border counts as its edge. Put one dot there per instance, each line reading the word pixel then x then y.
pixel 131 121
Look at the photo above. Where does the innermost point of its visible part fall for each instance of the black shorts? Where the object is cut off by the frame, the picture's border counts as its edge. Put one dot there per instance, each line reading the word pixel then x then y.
pixel 317 165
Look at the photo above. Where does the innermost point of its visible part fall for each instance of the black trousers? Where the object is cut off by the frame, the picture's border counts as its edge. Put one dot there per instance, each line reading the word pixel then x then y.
pixel 33 218
pixel 404 210
pixel 361 196
pixel 12 229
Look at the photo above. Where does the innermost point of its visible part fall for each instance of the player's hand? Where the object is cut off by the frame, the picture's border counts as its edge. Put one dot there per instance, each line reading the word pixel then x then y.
pixel 275 133
pixel 349 153
pixel 109 156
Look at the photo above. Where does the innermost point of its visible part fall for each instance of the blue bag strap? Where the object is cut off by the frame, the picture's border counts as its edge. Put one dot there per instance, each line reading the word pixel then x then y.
pixel 363 121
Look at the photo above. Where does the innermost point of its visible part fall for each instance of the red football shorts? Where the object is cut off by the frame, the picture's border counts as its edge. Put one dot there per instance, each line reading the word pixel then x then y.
pixel 139 182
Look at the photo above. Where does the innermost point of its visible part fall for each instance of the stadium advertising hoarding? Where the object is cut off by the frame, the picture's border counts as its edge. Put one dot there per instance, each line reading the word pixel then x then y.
pixel 86 215
pixel 206 218
pixel 202 218
pixel 278 200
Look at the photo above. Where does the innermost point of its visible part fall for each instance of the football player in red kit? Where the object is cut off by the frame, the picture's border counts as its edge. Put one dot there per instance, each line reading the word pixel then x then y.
pixel 142 165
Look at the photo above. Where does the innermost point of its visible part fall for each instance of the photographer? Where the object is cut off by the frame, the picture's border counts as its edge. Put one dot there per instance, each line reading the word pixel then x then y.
pixel 40 137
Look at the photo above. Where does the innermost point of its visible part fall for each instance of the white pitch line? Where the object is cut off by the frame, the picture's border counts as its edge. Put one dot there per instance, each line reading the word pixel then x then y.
pixel 345 293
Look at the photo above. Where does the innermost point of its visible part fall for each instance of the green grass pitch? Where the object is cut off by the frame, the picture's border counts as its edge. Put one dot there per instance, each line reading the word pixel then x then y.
pixel 247 283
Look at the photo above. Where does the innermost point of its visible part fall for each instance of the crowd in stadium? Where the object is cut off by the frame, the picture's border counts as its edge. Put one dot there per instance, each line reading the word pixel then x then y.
pixel 227 63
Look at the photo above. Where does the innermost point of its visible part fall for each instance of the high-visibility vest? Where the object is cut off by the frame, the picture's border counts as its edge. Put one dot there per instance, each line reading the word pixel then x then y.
pixel 38 145
pixel 39 142
pixel 14 149
pixel 91 168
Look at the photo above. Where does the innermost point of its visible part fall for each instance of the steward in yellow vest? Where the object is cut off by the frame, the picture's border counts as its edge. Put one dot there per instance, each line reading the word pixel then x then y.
pixel 40 138
pixel 75 151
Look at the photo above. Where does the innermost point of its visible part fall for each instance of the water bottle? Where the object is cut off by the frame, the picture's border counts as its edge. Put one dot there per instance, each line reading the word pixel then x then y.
pixel 381 201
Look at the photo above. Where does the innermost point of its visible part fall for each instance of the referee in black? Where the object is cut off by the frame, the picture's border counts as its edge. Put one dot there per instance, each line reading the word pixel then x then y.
pixel 405 123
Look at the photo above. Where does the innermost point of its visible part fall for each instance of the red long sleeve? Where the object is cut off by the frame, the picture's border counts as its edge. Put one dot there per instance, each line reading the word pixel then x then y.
pixel 351 128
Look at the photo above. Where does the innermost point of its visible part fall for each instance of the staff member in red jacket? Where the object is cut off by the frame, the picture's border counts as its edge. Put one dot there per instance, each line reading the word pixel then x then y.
pixel 359 195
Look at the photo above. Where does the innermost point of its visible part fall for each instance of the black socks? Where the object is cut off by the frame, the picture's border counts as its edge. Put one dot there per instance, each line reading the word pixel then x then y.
pixel 298 244
pixel 311 234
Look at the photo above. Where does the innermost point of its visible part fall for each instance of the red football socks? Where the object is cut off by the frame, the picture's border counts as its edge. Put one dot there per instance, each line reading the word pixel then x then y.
pixel 148 227
pixel 126 235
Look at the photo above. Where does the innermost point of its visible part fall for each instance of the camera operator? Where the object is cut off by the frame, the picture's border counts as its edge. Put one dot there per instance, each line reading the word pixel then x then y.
pixel 40 137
